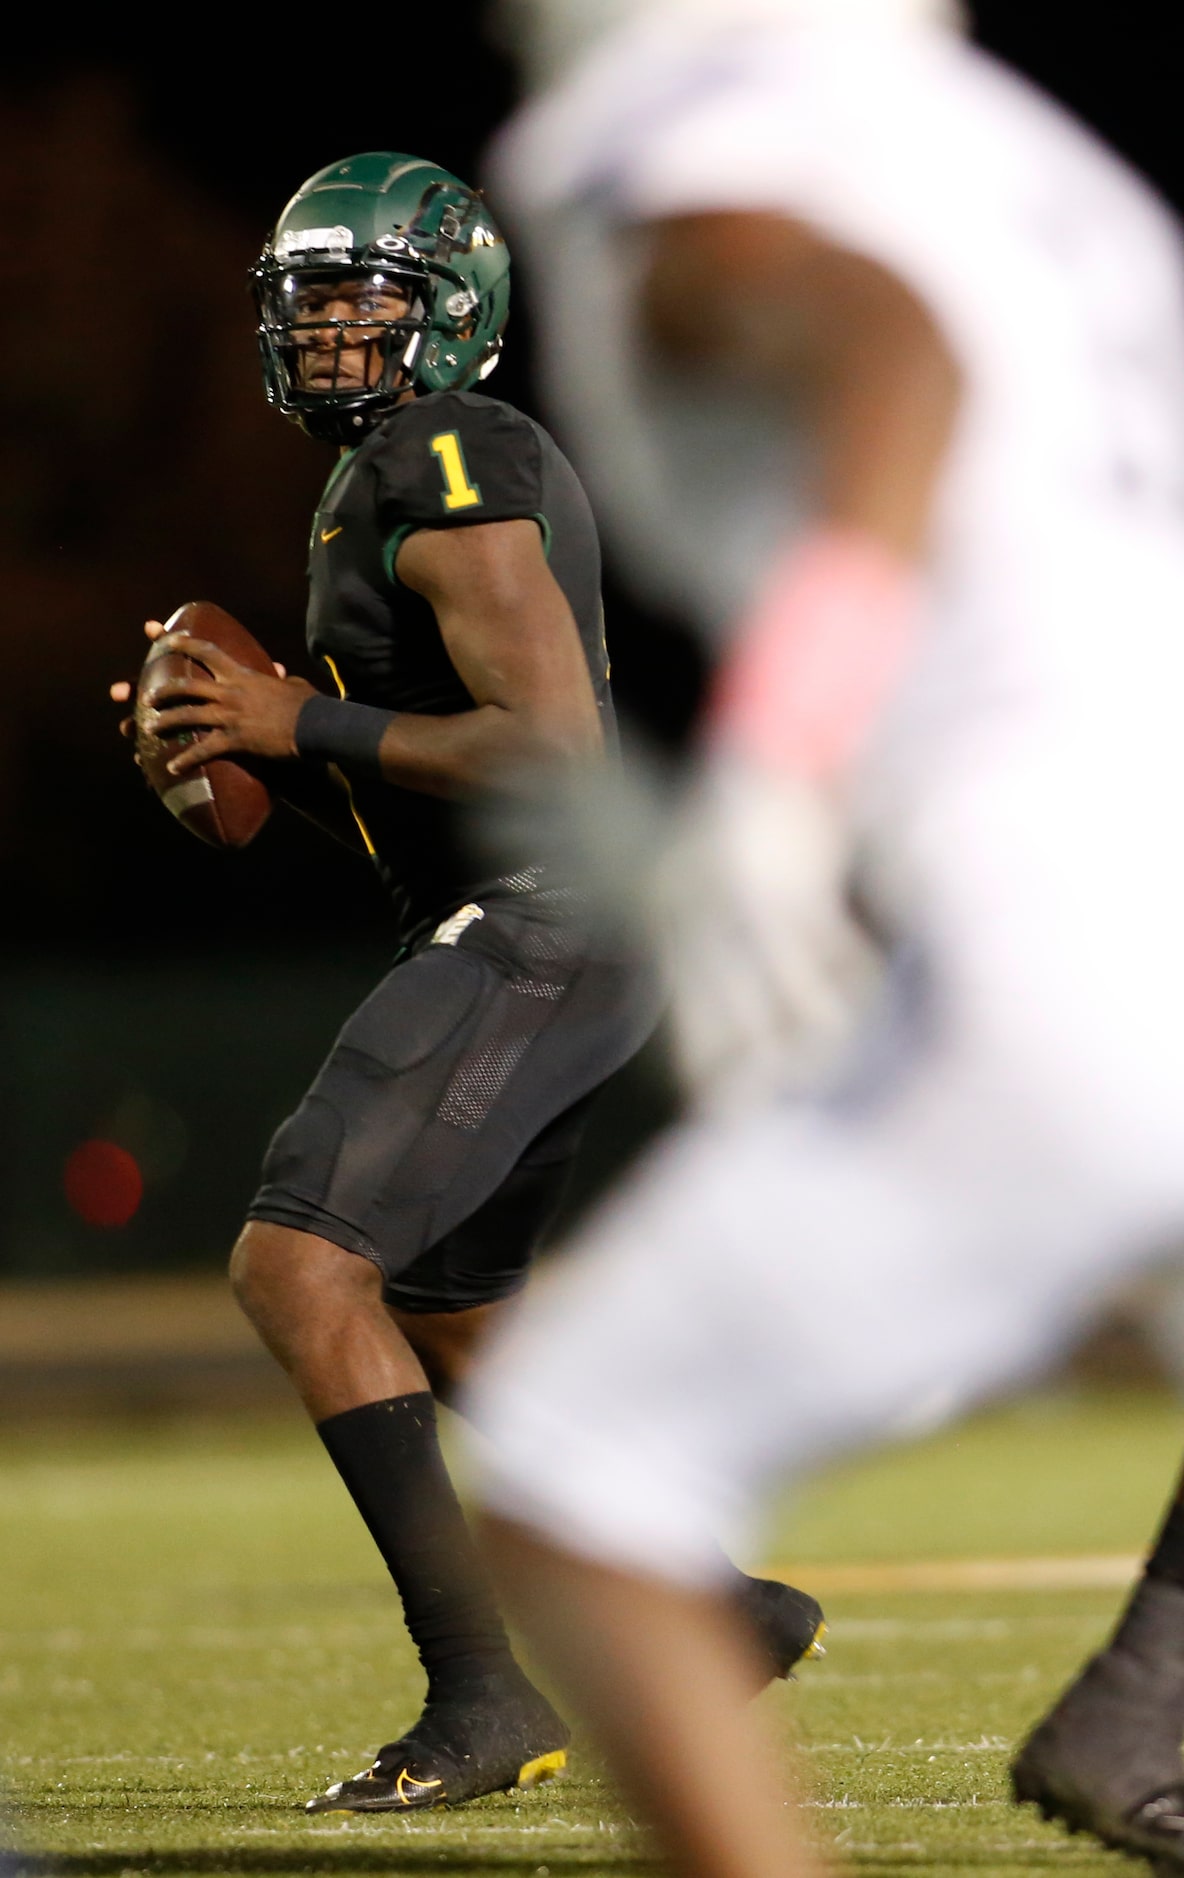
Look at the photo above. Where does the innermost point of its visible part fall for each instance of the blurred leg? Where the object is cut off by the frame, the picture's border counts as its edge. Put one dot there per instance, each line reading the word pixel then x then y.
pixel 761 1295
pixel 785 1624
pixel 664 1676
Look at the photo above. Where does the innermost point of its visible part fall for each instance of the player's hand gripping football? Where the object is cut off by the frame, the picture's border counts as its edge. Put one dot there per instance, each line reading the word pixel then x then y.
pixel 241 712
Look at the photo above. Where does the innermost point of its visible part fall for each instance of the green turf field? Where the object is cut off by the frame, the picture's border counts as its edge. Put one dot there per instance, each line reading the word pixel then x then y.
pixel 196 1637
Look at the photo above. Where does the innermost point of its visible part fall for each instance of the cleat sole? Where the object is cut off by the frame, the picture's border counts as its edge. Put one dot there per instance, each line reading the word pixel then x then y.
pixel 532 1773
pixel 542 1767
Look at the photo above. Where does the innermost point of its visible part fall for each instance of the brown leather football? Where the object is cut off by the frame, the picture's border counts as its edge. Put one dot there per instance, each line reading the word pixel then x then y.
pixel 221 801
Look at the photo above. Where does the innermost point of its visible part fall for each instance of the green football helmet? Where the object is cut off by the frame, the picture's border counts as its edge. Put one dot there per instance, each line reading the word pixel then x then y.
pixel 417 258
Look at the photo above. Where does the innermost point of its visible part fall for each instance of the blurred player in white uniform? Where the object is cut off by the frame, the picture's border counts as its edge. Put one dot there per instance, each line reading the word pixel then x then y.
pixel 873 361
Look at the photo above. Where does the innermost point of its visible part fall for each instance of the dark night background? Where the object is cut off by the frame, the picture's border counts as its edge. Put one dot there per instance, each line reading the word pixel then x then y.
pixel 158 994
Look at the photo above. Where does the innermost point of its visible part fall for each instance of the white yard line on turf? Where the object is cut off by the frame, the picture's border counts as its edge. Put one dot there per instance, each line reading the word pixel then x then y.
pixel 1091 1572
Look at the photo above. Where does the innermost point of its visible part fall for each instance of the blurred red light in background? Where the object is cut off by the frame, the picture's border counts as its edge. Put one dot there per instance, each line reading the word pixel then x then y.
pixel 103 1183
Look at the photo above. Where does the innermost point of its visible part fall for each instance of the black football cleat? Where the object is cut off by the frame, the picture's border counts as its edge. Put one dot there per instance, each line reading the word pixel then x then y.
pixel 788 1623
pixel 1106 1759
pixel 501 1736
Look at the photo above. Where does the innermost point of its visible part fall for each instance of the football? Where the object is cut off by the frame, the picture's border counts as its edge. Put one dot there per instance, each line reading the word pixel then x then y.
pixel 223 802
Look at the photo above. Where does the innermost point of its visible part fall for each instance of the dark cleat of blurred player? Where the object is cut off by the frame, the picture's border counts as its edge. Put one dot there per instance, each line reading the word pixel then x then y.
pixel 455 601
pixel 1106 1758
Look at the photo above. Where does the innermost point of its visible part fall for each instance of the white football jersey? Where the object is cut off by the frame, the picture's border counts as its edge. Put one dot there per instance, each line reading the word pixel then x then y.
pixel 1003 1142
pixel 1055 272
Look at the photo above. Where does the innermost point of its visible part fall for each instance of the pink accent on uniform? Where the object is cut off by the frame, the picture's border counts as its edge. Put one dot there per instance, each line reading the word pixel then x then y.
pixel 817 655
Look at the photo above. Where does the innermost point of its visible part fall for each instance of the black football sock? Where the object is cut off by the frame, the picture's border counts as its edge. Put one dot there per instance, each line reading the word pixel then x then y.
pixel 1151 1631
pixel 1167 1554
pixel 1151 1628
pixel 388 1455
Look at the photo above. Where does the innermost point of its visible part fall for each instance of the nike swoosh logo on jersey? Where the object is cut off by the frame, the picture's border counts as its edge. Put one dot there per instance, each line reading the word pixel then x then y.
pixel 327 534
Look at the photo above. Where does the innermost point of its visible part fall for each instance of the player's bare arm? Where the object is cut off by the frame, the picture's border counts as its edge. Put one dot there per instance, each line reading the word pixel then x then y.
pixel 862 365
pixel 815 322
pixel 861 368
pixel 510 634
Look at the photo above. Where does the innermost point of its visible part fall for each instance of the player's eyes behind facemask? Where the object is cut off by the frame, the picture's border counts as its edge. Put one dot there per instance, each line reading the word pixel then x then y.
pixel 378 299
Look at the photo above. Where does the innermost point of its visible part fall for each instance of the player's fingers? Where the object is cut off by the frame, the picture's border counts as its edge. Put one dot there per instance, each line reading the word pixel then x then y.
pixel 186 760
pixel 127 726
pixel 211 656
pixel 181 717
pixel 121 691
pixel 216 743
pixel 281 671
pixel 153 628
pixel 173 691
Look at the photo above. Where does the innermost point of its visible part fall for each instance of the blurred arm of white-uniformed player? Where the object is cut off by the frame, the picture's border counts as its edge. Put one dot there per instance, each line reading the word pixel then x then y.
pixel 768 964
pixel 759 937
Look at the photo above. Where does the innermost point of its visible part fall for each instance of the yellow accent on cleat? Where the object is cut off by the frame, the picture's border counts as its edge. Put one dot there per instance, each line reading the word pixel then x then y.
pixel 414 1792
pixel 543 1767
pixel 816 1644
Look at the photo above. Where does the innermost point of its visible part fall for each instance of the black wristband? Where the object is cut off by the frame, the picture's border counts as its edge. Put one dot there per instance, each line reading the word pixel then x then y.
pixel 332 730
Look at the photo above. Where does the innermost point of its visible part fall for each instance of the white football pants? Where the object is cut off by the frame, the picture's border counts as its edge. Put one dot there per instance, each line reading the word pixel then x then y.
pixel 774 1290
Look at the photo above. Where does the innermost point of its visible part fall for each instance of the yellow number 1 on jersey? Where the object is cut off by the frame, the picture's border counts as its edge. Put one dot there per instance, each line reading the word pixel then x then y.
pixel 459 492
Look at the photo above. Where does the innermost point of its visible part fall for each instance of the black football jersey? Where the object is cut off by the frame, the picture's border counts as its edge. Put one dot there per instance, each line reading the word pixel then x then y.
pixel 448 460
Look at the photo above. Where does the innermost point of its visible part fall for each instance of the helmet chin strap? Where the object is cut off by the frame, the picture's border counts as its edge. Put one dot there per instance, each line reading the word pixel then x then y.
pixel 547 36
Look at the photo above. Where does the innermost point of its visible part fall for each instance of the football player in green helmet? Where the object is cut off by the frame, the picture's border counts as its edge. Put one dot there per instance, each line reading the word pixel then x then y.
pixel 389 276
pixel 454 602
